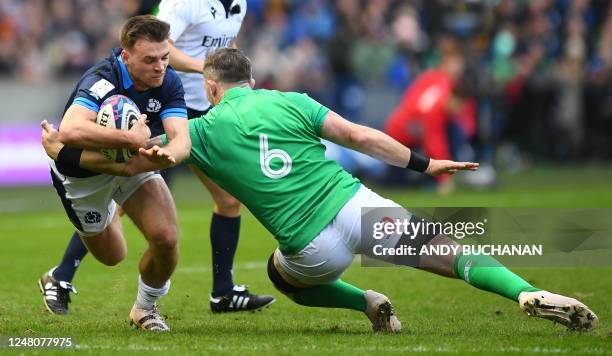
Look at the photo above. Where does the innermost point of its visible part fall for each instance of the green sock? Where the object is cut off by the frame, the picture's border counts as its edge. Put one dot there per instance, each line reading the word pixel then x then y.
pixel 335 295
pixel 485 272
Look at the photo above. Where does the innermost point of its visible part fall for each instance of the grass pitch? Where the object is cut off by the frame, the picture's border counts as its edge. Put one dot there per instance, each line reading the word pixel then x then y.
pixel 438 314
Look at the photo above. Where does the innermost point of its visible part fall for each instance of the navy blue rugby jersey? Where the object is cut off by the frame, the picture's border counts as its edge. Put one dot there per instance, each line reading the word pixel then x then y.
pixel 110 77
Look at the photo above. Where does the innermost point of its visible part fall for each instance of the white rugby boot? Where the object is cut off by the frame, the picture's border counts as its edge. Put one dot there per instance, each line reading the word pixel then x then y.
pixel 380 312
pixel 149 320
pixel 564 310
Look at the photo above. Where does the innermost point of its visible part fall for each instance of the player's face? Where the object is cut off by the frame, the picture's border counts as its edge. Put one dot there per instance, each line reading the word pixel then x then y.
pixel 147 62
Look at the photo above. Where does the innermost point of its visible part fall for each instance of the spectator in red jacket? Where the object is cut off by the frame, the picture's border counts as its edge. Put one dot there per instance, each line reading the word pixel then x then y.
pixel 429 105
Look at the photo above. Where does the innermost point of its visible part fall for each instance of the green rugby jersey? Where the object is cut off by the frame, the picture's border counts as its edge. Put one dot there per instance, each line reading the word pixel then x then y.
pixel 263 147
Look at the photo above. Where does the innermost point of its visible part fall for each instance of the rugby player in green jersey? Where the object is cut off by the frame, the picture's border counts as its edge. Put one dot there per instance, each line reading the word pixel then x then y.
pixel 263 147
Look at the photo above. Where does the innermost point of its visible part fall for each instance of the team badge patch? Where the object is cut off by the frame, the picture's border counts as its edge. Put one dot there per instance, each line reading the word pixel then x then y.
pixel 154 105
pixel 93 217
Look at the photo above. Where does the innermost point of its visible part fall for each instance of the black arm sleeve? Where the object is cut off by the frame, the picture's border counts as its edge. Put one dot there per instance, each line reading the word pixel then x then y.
pixel 67 163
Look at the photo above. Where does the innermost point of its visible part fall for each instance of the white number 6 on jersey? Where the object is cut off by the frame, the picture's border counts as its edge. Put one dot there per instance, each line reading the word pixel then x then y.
pixel 266 156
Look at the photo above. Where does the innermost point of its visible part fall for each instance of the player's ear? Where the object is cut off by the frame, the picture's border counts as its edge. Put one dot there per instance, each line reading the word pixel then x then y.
pixel 211 89
pixel 252 83
pixel 125 56
pixel 212 86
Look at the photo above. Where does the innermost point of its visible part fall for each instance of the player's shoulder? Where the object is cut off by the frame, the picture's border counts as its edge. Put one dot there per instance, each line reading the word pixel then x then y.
pixel 283 96
pixel 297 98
pixel 305 104
pixel 102 69
pixel 273 93
pixel 100 79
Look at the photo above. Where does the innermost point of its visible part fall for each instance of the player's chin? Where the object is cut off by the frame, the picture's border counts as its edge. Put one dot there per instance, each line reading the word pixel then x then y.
pixel 155 82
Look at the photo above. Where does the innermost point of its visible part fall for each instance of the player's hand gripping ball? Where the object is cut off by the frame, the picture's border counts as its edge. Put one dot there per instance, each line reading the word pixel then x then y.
pixel 118 112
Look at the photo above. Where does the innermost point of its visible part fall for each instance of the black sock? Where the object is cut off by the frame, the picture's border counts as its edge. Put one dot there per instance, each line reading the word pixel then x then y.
pixel 224 234
pixel 75 251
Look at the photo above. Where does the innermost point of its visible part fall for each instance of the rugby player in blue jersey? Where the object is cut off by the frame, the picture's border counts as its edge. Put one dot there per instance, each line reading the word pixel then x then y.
pixel 138 70
pixel 196 29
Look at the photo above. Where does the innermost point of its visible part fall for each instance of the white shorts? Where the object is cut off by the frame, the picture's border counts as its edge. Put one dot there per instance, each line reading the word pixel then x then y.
pixel 91 202
pixel 329 254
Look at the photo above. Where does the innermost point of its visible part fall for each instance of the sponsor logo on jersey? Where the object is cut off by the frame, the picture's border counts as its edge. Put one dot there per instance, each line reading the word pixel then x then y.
pixel 217 42
pixel 101 88
pixel 154 105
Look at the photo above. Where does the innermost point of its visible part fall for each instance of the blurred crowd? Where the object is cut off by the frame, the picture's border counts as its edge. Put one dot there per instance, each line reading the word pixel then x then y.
pixel 46 39
pixel 537 73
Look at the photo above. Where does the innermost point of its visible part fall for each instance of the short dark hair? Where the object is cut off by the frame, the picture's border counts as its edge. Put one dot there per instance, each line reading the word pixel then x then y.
pixel 145 26
pixel 228 65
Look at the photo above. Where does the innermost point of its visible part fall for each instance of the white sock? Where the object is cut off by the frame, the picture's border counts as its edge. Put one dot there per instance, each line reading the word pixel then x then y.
pixel 147 296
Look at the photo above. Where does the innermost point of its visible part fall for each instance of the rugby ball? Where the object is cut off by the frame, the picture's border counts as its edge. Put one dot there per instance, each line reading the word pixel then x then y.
pixel 118 112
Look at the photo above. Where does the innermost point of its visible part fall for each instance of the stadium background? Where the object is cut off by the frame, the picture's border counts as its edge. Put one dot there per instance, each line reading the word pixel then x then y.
pixel 539 73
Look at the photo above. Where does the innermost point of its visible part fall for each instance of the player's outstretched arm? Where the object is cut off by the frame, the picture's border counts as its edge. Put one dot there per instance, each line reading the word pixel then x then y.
pixel 79 129
pixel 91 160
pixel 177 134
pixel 151 159
pixel 381 146
pixel 164 153
pixel 148 160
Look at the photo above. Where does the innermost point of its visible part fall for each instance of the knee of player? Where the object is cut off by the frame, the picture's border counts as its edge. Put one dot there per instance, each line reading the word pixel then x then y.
pixel 165 240
pixel 114 258
pixel 227 205
pixel 279 282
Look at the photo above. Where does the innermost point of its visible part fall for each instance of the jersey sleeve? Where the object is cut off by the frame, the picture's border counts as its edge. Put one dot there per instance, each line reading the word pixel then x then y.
pixel 174 105
pixel 177 13
pixel 91 92
pixel 315 112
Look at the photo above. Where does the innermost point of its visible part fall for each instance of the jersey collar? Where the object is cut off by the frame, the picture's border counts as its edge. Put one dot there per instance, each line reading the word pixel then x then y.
pixel 235 92
pixel 125 76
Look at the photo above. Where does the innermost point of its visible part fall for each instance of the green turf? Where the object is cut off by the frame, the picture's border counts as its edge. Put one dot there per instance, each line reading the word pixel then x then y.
pixel 438 314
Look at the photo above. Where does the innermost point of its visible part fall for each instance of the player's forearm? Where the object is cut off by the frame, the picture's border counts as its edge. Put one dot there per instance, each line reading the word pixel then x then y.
pixel 179 148
pixel 91 160
pixel 154 141
pixel 184 63
pixel 95 161
pixel 139 165
pixel 380 146
pixel 89 135
pixel 177 138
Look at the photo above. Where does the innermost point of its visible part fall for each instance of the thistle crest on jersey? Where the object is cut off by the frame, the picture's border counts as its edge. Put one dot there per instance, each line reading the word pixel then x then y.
pixel 118 112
